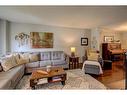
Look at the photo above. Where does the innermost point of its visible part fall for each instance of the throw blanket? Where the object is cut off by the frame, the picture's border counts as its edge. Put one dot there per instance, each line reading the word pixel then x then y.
pixel 92 63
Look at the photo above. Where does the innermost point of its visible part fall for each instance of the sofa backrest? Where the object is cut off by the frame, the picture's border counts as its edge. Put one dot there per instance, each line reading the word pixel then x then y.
pixel 52 55
pixel 45 56
pixel 57 55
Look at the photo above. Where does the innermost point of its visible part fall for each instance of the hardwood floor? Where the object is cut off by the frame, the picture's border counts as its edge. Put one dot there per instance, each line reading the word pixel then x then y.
pixel 113 79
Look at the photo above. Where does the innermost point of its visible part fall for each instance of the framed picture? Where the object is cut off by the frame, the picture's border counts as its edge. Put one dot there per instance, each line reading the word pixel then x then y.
pixel 108 38
pixel 41 39
pixel 84 41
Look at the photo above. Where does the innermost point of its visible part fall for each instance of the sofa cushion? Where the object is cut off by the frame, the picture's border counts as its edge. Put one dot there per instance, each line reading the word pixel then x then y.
pixel 33 64
pixel 5 83
pixel 57 55
pixel 11 75
pixel 23 59
pixel 45 63
pixel 45 56
pixel 19 72
pixel 34 57
pixel 8 62
pixel 93 56
pixel 58 62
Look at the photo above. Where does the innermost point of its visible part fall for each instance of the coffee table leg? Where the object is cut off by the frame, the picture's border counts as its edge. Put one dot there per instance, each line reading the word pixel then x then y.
pixel 63 82
pixel 33 87
pixel 32 84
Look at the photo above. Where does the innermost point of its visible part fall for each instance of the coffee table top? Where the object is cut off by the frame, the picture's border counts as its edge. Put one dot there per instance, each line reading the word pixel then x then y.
pixel 55 71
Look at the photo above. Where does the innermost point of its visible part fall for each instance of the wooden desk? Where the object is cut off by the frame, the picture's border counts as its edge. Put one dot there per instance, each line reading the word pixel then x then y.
pixel 74 62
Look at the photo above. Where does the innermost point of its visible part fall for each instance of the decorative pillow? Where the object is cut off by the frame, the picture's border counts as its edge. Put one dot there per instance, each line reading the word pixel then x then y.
pixel 34 57
pixel 23 58
pixel 8 62
pixel 93 56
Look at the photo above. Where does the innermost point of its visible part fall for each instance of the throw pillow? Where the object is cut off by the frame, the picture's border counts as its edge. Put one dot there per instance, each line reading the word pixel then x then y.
pixel 93 56
pixel 34 57
pixel 23 58
pixel 8 62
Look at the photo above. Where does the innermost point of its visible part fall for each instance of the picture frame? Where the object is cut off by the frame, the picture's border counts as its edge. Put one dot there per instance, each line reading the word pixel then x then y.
pixel 108 39
pixel 41 39
pixel 84 41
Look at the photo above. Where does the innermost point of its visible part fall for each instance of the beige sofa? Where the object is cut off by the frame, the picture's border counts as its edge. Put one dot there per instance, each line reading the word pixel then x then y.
pixel 9 79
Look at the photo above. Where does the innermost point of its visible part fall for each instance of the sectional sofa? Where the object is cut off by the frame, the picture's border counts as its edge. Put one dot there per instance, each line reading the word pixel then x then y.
pixel 9 78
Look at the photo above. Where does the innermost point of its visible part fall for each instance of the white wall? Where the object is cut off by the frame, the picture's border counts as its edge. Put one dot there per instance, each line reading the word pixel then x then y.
pixel 4 36
pixel 0 37
pixel 107 32
pixel 95 39
pixel 99 33
pixel 64 38
pixel 124 40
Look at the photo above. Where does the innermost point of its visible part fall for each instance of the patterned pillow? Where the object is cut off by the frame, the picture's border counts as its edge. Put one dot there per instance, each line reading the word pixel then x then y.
pixel 8 62
pixel 93 56
pixel 34 57
pixel 23 58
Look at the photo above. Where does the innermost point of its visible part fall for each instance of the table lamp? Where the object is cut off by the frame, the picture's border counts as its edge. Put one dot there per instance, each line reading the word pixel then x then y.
pixel 73 51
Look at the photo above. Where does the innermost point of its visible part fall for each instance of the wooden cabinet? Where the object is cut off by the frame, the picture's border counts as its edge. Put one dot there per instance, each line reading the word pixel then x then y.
pixel 73 62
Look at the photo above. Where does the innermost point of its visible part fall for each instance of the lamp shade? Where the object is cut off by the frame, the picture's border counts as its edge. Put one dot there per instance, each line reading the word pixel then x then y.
pixel 72 49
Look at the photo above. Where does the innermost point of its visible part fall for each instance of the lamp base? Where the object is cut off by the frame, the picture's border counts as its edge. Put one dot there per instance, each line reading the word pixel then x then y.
pixel 72 54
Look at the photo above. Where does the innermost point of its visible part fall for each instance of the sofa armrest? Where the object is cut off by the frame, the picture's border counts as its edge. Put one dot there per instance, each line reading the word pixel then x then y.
pixel 84 58
pixel 101 61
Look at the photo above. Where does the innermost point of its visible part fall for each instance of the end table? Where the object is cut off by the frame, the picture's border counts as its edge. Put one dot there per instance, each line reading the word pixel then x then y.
pixel 74 62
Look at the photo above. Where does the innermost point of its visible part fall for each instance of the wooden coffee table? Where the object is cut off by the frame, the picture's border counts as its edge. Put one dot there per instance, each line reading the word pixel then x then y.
pixel 57 74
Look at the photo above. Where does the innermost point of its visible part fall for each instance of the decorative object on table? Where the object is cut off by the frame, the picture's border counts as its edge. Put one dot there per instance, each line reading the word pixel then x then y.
pixel 42 72
pixel 73 62
pixel 117 41
pixel 22 39
pixel 41 39
pixel 73 51
pixel 84 41
pixel 108 39
pixel 48 68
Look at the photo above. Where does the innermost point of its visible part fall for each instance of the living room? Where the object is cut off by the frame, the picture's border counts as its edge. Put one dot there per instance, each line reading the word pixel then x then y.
pixel 71 30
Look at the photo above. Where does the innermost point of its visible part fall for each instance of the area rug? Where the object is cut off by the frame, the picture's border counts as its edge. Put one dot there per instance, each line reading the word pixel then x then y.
pixel 76 79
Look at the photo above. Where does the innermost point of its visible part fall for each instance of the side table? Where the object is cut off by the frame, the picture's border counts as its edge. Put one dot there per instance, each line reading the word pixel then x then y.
pixel 74 62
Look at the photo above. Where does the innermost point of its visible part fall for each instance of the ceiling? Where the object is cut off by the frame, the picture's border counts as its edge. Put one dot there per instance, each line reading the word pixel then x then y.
pixel 114 17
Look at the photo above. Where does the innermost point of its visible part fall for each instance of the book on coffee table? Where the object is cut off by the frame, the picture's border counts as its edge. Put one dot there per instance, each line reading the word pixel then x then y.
pixel 42 81
pixel 56 78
